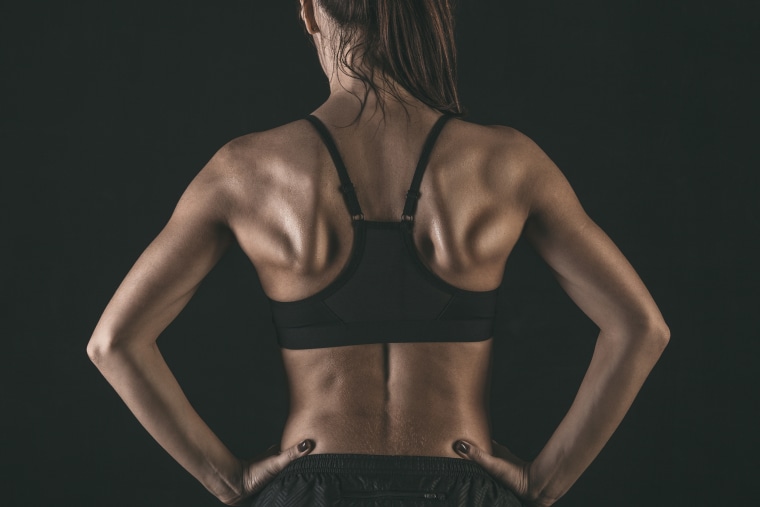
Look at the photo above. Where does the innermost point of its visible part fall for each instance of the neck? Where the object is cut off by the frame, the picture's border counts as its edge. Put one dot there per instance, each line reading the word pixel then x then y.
pixel 342 107
pixel 347 94
pixel 349 91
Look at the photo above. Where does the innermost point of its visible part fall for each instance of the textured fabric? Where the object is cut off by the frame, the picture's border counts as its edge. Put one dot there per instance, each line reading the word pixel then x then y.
pixel 385 293
pixel 359 480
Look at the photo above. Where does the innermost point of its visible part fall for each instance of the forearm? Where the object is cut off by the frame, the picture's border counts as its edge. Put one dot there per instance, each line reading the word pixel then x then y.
pixel 618 368
pixel 144 381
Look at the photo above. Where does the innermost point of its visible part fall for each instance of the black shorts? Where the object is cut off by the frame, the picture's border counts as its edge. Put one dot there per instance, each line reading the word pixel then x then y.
pixel 362 480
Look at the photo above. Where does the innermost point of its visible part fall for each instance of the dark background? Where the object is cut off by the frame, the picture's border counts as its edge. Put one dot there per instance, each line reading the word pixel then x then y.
pixel 109 110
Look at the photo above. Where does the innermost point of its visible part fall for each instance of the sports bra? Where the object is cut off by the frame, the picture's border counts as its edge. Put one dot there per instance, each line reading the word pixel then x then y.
pixel 385 293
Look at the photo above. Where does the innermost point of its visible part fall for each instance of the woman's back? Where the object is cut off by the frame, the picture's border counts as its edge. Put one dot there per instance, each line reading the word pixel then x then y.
pixel 293 223
pixel 382 284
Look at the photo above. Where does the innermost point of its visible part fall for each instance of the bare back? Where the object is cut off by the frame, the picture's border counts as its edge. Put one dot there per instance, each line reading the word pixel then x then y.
pixel 411 388
pixel 292 222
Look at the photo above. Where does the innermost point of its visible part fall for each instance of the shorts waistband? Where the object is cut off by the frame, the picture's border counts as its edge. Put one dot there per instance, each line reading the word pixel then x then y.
pixel 374 464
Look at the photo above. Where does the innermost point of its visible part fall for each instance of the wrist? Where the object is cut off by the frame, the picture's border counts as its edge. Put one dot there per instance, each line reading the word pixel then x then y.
pixel 537 487
pixel 232 490
pixel 541 502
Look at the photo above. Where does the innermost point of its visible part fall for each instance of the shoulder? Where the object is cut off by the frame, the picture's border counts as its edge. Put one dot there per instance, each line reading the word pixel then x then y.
pixel 252 154
pixel 249 166
pixel 507 146
pixel 514 165
pixel 492 135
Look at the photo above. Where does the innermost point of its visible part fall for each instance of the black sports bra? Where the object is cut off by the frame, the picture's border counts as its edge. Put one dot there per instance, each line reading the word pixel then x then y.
pixel 385 293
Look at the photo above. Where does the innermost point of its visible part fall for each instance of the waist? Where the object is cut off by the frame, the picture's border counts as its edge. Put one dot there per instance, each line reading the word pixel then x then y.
pixel 364 464
pixel 420 431
pixel 402 398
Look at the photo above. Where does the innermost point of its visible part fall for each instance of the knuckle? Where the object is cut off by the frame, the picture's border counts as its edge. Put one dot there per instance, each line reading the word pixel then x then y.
pixel 274 466
pixel 262 475
pixel 261 479
pixel 292 453
pixel 257 484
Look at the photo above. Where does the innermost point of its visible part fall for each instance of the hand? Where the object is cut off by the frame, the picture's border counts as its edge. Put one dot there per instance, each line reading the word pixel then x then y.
pixel 260 470
pixel 504 466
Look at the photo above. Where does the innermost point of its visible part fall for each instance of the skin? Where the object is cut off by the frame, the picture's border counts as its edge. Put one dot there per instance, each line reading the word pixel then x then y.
pixel 274 193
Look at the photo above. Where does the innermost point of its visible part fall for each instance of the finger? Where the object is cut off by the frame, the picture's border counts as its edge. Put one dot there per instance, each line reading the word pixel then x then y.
pixel 276 463
pixel 264 470
pixel 472 452
pixel 507 472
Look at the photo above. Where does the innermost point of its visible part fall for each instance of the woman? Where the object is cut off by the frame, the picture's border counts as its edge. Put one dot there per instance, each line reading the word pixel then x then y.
pixel 379 228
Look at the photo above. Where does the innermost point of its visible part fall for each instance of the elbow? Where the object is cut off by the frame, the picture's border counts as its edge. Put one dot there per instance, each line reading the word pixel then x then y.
pixel 665 335
pixel 98 347
pixel 108 342
pixel 647 335
pixel 102 346
pixel 653 336
pixel 659 334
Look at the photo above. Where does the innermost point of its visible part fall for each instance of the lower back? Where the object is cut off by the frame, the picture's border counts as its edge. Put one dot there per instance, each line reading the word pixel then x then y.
pixel 398 398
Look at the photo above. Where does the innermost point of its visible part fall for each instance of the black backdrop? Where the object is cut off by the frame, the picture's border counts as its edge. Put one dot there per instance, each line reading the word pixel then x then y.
pixel 109 109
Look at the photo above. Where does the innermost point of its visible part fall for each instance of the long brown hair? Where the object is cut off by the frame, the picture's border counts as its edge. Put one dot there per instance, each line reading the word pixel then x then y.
pixel 409 41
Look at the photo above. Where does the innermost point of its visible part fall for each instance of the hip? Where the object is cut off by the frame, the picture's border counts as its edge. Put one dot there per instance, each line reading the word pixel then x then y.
pixel 359 480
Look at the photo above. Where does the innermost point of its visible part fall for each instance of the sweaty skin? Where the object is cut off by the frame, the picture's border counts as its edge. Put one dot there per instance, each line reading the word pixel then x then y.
pixel 275 194
pixel 396 398
pixel 379 399
pixel 399 398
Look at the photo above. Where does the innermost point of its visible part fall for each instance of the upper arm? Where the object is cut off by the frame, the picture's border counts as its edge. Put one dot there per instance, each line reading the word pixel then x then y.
pixel 587 264
pixel 169 271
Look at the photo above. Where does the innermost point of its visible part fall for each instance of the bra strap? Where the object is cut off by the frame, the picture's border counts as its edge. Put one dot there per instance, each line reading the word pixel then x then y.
pixel 413 195
pixel 346 186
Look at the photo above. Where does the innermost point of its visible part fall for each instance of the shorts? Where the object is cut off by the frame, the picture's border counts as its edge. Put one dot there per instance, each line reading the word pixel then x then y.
pixel 365 480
